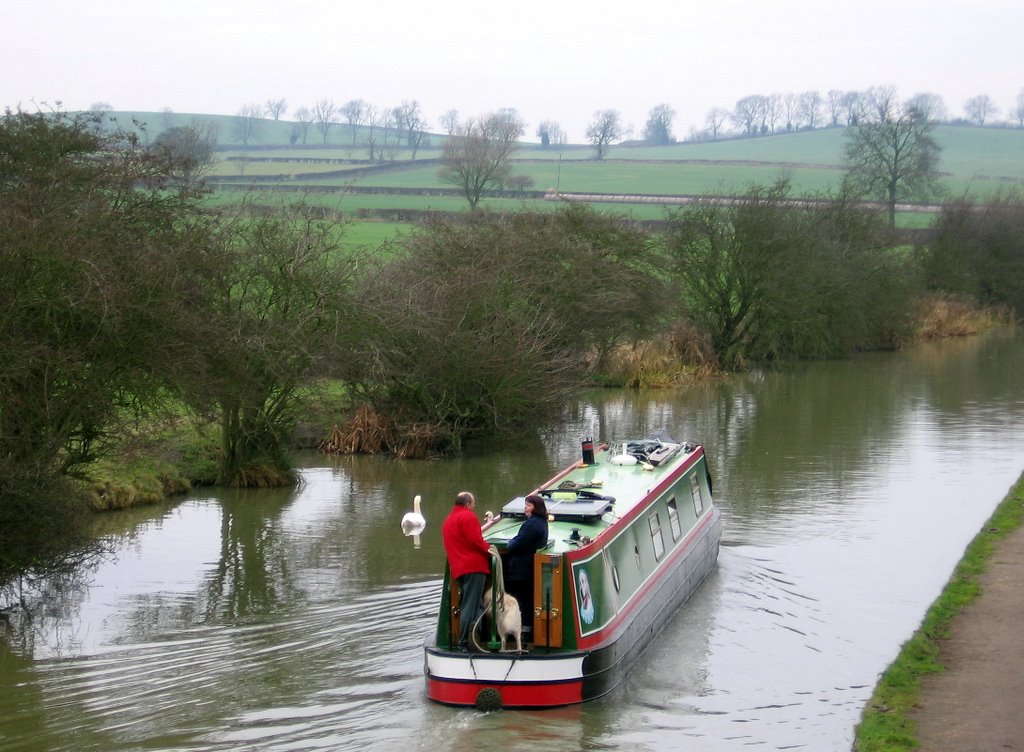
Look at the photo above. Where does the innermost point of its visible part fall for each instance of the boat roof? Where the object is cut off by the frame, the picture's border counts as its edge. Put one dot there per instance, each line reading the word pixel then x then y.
pixel 584 500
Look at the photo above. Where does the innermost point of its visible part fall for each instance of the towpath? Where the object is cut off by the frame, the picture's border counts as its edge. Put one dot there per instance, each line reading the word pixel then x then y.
pixel 977 704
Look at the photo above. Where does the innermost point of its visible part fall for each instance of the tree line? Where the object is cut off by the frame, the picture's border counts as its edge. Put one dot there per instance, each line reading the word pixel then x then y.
pixel 385 130
pixel 762 115
pixel 124 295
pixel 771 114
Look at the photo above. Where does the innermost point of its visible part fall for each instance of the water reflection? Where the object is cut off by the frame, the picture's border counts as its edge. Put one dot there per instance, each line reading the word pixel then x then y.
pixel 294 620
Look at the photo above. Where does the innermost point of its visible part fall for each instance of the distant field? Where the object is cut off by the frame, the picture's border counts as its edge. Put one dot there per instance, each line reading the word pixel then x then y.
pixel 974 162
pixel 966 150
pixel 349 204
pixel 373 234
pixel 238 168
pixel 822 147
pixel 618 177
pixel 645 178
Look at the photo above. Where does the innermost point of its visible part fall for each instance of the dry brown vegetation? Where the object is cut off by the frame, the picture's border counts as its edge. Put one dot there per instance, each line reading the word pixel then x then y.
pixel 945 315
pixel 682 356
pixel 368 432
pixel 371 432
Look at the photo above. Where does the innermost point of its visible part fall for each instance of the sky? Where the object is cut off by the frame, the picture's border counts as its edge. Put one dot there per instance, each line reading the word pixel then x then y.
pixel 560 60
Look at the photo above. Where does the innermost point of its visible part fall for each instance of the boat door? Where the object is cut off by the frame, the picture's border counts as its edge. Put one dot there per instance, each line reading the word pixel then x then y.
pixel 547 600
pixel 454 601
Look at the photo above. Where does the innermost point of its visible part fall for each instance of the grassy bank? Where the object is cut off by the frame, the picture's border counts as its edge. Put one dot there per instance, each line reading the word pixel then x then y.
pixel 165 456
pixel 885 724
pixel 175 450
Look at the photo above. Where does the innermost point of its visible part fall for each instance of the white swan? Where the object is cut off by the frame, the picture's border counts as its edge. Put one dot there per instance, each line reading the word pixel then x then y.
pixel 414 521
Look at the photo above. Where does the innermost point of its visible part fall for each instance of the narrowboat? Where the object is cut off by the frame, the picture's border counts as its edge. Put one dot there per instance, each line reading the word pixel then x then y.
pixel 632 534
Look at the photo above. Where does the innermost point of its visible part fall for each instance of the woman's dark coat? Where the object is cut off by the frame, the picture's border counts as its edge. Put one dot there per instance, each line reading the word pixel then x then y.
pixel 532 536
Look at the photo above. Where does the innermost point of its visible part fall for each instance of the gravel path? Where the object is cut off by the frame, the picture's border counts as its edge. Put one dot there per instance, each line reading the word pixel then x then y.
pixel 977 704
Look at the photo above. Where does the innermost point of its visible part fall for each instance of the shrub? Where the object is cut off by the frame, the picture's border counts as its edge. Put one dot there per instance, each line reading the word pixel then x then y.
pixel 978 251
pixel 485 324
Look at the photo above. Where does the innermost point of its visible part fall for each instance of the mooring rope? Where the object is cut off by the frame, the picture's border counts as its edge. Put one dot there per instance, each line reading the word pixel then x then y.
pixel 497 595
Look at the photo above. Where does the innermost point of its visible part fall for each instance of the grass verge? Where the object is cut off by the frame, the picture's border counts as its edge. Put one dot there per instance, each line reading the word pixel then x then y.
pixel 885 724
pixel 154 461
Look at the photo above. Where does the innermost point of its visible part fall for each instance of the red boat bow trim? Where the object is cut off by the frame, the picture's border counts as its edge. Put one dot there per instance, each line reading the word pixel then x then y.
pixel 512 695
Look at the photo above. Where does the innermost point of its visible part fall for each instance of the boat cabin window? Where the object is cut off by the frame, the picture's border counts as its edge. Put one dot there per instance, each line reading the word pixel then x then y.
pixel 698 502
pixel 659 544
pixel 673 519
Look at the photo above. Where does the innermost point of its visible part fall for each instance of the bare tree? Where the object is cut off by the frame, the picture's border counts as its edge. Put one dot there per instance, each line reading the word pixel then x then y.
pixel 853 107
pixel 790 107
pixel 658 130
pixel 714 121
pixel 931 106
pixel 550 133
pixel 1018 111
pixel 748 114
pixel 521 183
pixel 449 121
pixel 810 108
pixel 247 121
pixel 835 106
pixel 100 116
pixel 167 117
pixel 100 111
pixel 187 153
pixel 883 103
pixel 303 119
pixel 893 159
pixel 387 125
pixel 276 108
pixel 477 155
pixel 409 119
pixel 772 111
pixel 356 113
pixel 980 108
pixel 324 114
pixel 373 125
pixel 605 128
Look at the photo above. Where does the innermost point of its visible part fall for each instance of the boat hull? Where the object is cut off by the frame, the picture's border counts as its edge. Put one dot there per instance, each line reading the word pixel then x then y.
pixel 538 679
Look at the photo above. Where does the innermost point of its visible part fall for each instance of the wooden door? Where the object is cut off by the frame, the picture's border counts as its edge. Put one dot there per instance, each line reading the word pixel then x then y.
pixel 547 601
pixel 454 599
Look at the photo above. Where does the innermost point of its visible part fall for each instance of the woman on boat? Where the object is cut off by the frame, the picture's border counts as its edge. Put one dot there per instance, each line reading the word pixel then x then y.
pixel 532 536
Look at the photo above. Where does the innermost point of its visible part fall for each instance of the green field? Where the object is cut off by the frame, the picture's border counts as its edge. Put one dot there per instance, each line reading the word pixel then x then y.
pixel 974 162
pixel 619 177
pixel 238 168
pixel 372 234
pixel 966 151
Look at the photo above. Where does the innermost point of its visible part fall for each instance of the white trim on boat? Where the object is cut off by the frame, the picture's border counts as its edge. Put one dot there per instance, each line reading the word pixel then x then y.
pixel 511 669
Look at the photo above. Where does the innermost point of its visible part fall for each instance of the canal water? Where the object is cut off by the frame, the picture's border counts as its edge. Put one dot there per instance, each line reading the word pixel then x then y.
pixel 294 620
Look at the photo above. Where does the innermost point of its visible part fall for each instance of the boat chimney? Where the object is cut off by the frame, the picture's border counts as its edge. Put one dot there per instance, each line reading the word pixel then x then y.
pixel 588 451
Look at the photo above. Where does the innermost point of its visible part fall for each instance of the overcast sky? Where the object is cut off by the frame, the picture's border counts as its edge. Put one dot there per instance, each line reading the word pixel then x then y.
pixel 550 59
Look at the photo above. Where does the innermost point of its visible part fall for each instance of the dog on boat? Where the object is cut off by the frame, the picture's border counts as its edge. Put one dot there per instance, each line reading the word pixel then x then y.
pixel 510 622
